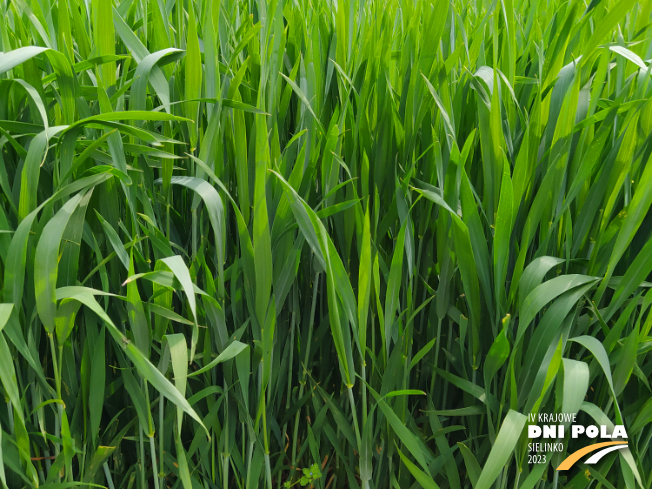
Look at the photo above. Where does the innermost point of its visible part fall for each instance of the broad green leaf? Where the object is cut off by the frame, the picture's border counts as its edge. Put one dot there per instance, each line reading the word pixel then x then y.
pixel 498 353
pixel 179 356
pixel 182 274
pixel 46 268
pixel 501 450
pixel 115 241
pixel 473 469
pixel 231 351
pixel 598 351
pixel 534 273
pixel 545 293
pixel 192 76
pixel 421 477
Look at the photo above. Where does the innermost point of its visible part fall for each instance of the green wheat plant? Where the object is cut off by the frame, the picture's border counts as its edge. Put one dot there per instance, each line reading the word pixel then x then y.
pixel 329 243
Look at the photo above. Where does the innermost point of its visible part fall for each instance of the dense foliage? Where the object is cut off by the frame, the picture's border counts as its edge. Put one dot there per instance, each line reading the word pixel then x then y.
pixel 340 244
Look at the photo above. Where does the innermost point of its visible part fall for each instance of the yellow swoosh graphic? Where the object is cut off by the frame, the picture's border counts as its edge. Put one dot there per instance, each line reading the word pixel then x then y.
pixel 575 456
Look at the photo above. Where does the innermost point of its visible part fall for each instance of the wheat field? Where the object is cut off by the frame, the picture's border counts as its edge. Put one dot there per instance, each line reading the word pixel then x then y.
pixel 323 243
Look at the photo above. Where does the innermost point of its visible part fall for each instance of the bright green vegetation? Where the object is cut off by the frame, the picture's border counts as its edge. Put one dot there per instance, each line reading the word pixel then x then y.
pixel 329 244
